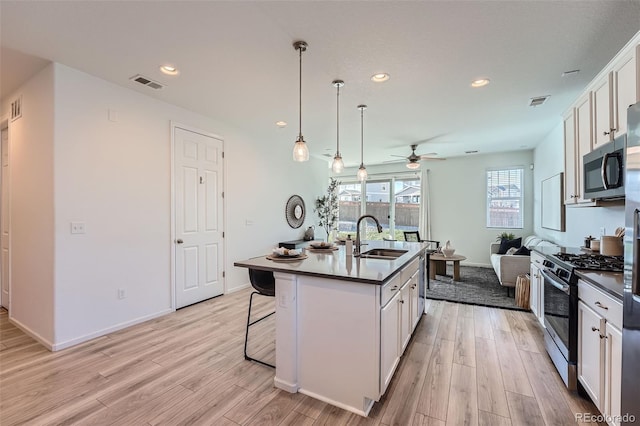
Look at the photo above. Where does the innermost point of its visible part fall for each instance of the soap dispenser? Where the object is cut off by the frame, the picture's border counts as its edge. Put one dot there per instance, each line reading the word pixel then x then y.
pixel 348 245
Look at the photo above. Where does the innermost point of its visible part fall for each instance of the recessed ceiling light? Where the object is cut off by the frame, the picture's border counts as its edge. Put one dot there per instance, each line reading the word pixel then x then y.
pixel 380 77
pixel 169 70
pixel 480 82
pixel 471 152
pixel 281 123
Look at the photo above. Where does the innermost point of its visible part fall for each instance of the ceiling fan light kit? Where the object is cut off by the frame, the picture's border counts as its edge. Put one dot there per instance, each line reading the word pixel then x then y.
pixel 362 171
pixel 338 165
pixel 300 149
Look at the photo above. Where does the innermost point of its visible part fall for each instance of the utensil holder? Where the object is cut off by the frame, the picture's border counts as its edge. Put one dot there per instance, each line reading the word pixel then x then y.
pixel 611 245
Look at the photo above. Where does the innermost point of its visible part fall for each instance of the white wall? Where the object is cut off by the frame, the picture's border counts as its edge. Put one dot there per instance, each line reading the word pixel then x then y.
pixel 580 221
pixel 115 177
pixel 32 204
pixel 458 192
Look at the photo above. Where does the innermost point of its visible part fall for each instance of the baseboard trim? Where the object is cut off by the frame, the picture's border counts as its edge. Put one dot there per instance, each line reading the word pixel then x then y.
pixel 286 386
pixel 368 403
pixel 99 333
pixel 44 342
pixel 234 289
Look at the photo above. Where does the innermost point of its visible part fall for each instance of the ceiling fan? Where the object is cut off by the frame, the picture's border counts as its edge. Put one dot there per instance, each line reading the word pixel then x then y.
pixel 413 160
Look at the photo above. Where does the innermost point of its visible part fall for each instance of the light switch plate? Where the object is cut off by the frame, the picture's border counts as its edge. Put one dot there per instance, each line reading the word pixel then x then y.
pixel 77 227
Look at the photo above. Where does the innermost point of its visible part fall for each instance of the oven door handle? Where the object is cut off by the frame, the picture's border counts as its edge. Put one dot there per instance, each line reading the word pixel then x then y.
pixel 562 287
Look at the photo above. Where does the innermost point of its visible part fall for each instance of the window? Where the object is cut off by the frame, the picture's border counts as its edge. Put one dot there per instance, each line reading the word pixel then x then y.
pixel 504 198
pixel 395 202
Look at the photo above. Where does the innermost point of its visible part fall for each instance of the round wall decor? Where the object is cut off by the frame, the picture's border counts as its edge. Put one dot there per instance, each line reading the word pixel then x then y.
pixel 294 211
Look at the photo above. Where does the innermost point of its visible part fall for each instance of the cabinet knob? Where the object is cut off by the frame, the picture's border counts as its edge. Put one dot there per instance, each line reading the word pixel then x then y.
pixel 606 133
pixel 595 329
pixel 601 306
pixel 179 241
pixel 401 301
pixel 394 288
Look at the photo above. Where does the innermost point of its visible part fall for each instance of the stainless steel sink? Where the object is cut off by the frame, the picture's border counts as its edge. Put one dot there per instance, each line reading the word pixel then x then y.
pixel 383 253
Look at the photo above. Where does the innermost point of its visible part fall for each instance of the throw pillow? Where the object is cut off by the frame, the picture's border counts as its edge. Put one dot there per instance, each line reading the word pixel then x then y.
pixel 522 251
pixel 507 244
pixel 511 251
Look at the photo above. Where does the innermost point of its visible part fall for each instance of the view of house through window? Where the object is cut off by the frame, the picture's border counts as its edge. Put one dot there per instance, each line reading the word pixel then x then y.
pixel 394 202
pixel 504 198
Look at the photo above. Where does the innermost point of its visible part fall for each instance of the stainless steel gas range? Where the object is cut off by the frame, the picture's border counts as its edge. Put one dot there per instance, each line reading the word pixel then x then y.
pixel 561 305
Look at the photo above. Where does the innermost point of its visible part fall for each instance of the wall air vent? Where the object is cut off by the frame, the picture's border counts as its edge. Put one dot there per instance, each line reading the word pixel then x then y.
pixel 16 108
pixel 146 81
pixel 538 100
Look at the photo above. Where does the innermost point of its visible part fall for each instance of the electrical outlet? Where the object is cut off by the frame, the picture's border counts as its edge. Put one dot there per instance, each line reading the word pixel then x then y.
pixel 77 227
pixel 121 293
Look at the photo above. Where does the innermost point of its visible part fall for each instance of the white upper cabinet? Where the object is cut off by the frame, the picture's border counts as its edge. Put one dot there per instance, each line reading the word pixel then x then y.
pixel 570 166
pixel 626 88
pixel 598 116
pixel 603 110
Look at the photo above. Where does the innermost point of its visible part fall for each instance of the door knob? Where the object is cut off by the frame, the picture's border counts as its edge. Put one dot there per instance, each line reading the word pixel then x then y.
pixel 179 241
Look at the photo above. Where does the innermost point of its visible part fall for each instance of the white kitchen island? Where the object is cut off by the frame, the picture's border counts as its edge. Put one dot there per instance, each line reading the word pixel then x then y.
pixel 343 322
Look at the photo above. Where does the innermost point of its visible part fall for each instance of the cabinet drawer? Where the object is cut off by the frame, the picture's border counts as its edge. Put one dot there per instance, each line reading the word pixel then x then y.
pixel 536 258
pixel 390 289
pixel 603 304
pixel 408 271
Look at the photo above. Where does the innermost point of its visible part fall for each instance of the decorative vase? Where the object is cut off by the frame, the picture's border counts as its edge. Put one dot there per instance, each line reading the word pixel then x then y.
pixel 448 250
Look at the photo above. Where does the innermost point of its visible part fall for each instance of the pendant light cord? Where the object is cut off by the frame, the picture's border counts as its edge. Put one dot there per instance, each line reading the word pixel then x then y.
pixel 338 121
pixel 300 91
pixel 361 136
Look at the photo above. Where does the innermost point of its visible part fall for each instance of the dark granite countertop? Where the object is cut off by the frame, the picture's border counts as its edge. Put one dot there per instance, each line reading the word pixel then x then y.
pixel 611 283
pixel 337 265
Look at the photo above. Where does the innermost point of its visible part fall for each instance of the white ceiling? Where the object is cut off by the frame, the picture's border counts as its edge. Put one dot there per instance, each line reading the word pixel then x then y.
pixel 238 65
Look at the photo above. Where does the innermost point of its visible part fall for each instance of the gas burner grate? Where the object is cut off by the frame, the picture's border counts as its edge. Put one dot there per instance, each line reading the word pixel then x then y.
pixel 596 262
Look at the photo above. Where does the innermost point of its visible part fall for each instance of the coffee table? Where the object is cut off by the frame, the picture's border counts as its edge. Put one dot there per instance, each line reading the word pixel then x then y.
pixel 438 265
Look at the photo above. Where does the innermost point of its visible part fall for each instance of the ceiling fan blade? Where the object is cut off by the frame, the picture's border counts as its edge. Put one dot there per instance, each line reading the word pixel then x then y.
pixel 428 154
pixel 394 161
pixel 401 156
pixel 432 158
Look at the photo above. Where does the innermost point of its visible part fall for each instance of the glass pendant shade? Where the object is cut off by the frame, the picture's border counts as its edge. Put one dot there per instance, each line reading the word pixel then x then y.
pixel 300 150
pixel 338 165
pixel 414 165
pixel 362 173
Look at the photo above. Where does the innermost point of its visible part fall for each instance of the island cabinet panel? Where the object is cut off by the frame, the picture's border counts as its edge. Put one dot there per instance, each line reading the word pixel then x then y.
pixel 415 295
pixel 338 341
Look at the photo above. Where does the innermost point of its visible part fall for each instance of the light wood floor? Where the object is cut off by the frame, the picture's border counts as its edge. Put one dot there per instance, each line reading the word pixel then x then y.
pixel 464 366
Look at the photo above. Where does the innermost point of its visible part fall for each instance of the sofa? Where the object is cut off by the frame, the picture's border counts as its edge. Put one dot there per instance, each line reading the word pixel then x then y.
pixel 509 266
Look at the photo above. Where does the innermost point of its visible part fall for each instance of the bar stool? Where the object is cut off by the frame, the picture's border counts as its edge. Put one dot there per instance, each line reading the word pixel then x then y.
pixel 265 285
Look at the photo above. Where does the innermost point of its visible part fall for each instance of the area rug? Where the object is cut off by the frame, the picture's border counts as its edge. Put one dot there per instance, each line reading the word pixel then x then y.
pixel 477 286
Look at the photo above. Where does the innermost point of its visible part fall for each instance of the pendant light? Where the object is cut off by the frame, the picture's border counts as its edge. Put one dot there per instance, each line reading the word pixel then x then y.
pixel 362 171
pixel 338 165
pixel 300 150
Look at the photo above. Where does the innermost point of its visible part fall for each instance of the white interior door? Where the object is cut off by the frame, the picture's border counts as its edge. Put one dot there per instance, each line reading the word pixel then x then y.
pixel 4 220
pixel 198 243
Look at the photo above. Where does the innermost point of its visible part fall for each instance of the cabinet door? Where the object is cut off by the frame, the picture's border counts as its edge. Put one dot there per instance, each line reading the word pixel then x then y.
pixel 405 315
pixel 533 290
pixel 415 314
pixel 602 111
pixel 570 159
pixel 389 340
pixel 590 351
pixel 613 371
pixel 626 90
pixel 584 139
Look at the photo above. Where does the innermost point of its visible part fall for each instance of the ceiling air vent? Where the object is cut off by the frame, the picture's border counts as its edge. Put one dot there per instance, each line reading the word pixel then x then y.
pixel 538 100
pixel 16 108
pixel 146 81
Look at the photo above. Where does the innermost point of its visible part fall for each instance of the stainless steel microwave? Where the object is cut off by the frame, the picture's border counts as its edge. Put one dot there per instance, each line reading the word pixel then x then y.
pixel 603 170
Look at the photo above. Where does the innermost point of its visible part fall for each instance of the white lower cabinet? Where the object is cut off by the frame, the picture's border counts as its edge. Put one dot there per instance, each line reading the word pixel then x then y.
pixel 613 372
pixel 536 287
pixel 389 340
pixel 600 349
pixel 590 353
pixel 398 318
